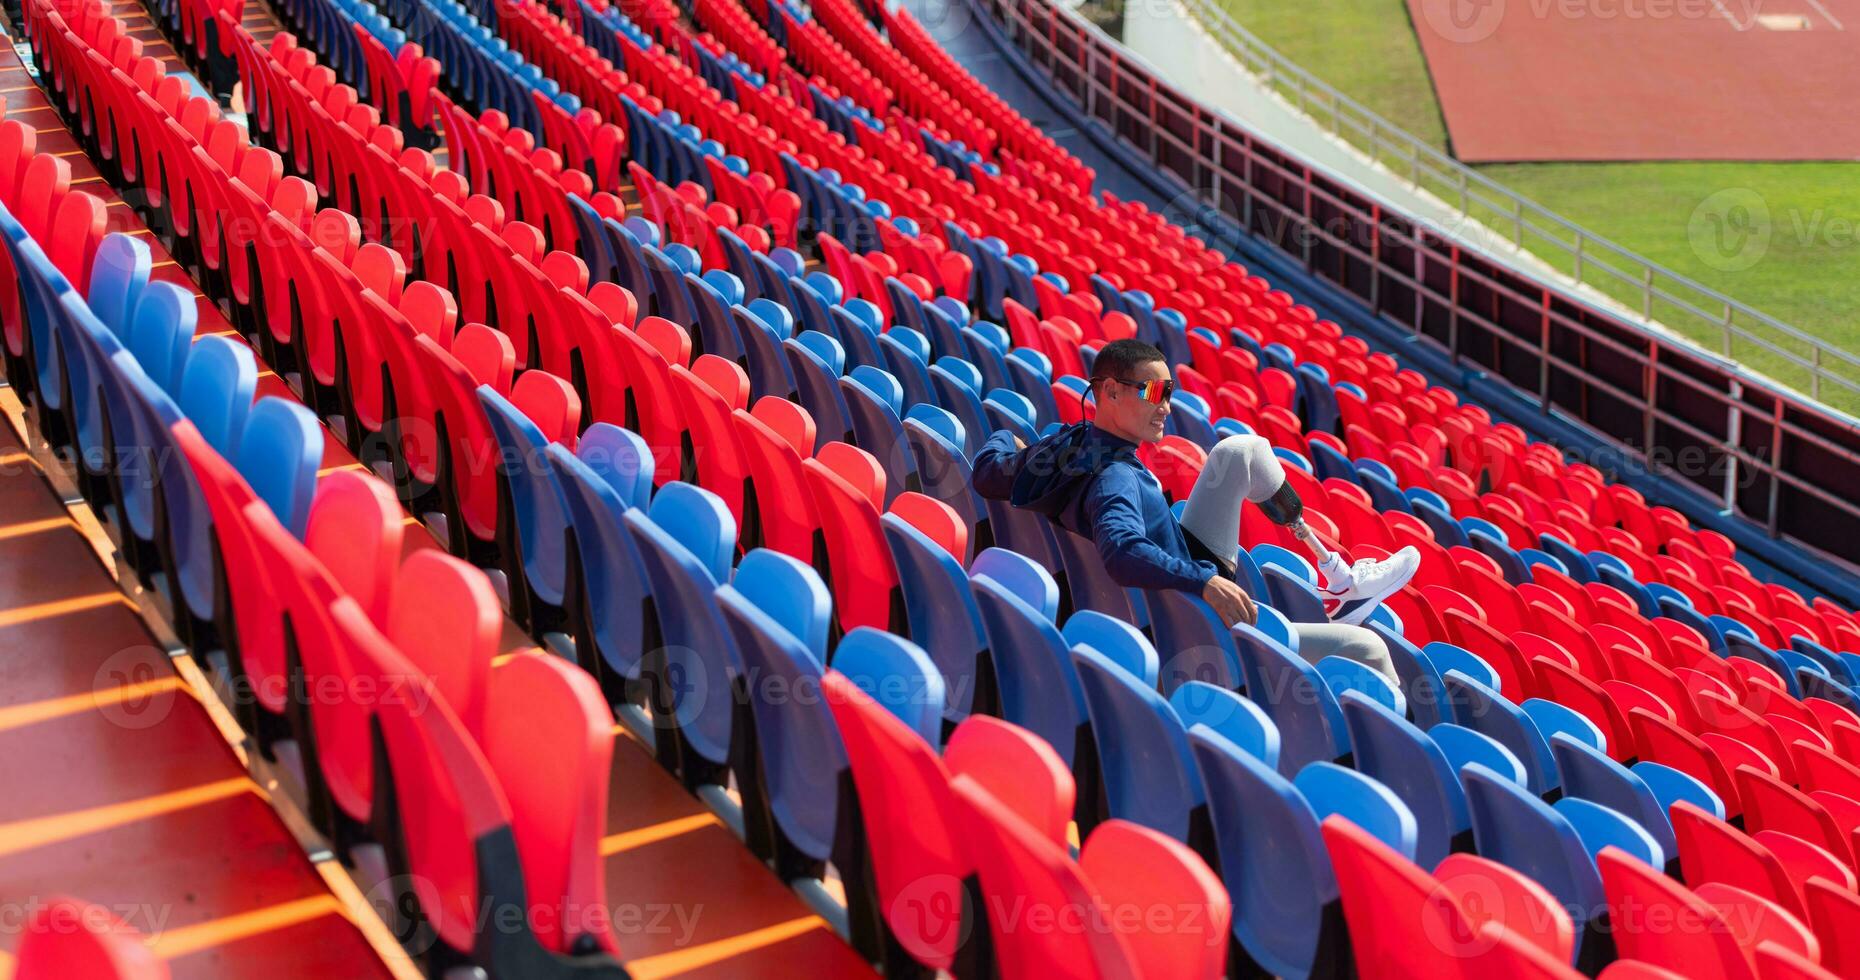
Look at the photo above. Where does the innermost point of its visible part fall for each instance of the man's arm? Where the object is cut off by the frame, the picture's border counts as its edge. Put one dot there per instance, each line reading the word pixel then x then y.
pixel 996 466
pixel 1131 558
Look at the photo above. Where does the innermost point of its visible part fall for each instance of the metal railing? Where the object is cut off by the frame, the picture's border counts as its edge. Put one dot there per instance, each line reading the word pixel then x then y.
pixel 1658 294
pixel 1771 456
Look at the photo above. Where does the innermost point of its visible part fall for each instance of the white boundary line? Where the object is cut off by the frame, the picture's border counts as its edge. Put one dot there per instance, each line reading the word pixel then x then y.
pixel 1730 17
pixel 1824 12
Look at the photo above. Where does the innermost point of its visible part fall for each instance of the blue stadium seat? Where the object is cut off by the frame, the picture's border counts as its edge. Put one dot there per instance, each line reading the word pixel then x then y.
pixel 956 386
pixel 874 402
pixel 897 674
pixel 1022 577
pixel 1038 685
pixel 1149 774
pixel 217 388
pixel 1490 713
pixel 1463 746
pixel 538 512
pixel 162 331
pixel 118 275
pixel 817 360
pixel 905 351
pixel 1447 656
pixel 1554 719
pixel 1295 697
pixel 1333 789
pixel 1343 676
pixel 1236 719
pixel 1602 826
pixel 1116 640
pixel 1670 786
pixel 791 593
pixel 1516 829
pixel 1089 585
pixel 1421 684
pixel 1591 775
pixel 279 454
pixel 1286 912
pixel 1191 641
pixel 797 753
pixel 1414 768
pixel 935 439
pixel 941 611
pixel 686 557
pixel 763 327
pixel 613 581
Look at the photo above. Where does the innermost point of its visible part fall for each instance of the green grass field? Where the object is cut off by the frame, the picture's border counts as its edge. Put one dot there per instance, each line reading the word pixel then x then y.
pixel 1809 276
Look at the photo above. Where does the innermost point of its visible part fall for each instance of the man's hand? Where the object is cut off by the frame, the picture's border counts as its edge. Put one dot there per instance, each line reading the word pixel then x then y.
pixel 1019 443
pixel 1230 601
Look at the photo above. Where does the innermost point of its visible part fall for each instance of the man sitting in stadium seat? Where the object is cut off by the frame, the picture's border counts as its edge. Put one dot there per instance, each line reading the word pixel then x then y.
pixel 1087 477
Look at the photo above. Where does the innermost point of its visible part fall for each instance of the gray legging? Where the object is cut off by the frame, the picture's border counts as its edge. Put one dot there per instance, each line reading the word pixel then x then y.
pixel 1244 468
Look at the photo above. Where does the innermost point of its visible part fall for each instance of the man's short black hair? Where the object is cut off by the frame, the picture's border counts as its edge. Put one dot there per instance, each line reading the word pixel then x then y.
pixel 1119 356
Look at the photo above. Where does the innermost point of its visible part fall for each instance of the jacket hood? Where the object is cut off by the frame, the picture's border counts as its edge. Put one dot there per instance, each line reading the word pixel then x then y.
pixel 1057 469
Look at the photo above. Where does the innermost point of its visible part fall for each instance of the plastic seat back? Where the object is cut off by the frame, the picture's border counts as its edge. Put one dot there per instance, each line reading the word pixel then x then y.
pixel 1413 767
pixel 161 332
pixel 1018 768
pixel 1602 826
pixel 1133 867
pixel 790 592
pixel 1486 711
pixel 696 640
pixel 848 489
pixel 613 580
pixel 918 858
pixel 1345 676
pixel 1295 697
pixel 1492 893
pixel 1388 902
pixel 356 531
pixel 1191 641
pixel 1662 922
pixel 1332 789
pixel 1115 639
pixel 548 736
pixel 537 509
pixel 445 618
pixel 1020 868
pixel 1021 577
pixel 940 609
pixel 1237 719
pixel 1515 828
pixel 279 453
pixel 217 387
pixel 1149 775
pixel 802 757
pixel 1590 775
pixel 1032 667
pixel 898 674
pixel 1272 859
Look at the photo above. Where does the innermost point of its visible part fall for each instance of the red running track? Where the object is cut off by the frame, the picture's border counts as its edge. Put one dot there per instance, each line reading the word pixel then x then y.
pixel 1522 80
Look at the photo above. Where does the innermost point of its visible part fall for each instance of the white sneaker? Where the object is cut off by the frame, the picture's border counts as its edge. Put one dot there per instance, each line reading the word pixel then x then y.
pixel 1366 584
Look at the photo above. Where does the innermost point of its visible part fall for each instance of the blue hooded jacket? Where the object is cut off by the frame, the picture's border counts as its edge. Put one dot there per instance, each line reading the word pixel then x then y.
pixel 1092 483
